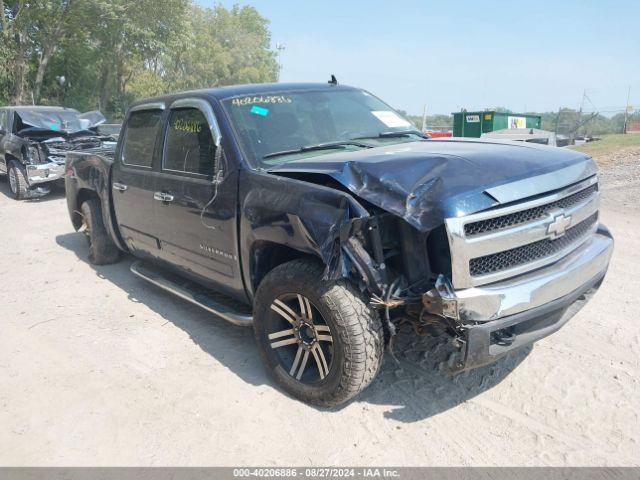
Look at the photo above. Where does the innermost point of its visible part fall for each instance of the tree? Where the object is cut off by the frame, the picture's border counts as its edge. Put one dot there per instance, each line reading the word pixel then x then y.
pixel 16 23
pixel 51 24
pixel 113 52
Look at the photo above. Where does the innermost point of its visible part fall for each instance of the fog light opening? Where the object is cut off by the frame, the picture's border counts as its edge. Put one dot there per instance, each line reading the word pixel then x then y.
pixel 504 336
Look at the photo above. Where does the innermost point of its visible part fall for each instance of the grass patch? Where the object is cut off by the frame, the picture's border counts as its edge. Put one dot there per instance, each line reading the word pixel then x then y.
pixel 609 144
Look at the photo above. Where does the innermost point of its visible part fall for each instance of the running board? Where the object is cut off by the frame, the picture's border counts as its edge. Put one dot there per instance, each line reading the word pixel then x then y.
pixel 190 292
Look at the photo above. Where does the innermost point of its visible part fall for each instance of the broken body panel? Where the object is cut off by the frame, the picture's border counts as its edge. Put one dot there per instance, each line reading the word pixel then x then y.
pixel 39 138
pixel 392 218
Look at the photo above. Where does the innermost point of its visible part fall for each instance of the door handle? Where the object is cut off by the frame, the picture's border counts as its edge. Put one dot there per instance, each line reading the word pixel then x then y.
pixel 163 197
pixel 119 186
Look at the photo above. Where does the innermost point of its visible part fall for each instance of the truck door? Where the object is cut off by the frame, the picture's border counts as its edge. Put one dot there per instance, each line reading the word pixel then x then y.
pixel 196 199
pixel 4 134
pixel 133 179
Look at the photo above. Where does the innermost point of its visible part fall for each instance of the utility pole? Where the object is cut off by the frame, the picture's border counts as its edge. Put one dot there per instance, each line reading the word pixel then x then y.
pixel 424 118
pixel 579 122
pixel 279 48
pixel 558 120
pixel 626 111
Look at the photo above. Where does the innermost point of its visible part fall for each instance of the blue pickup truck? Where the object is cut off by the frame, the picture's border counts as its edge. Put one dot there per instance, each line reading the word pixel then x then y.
pixel 320 216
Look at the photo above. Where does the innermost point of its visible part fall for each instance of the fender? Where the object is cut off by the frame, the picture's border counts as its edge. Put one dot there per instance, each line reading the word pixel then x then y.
pixel 297 216
pixel 88 174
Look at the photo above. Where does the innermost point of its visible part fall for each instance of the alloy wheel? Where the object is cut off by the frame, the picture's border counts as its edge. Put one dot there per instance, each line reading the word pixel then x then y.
pixel 298 333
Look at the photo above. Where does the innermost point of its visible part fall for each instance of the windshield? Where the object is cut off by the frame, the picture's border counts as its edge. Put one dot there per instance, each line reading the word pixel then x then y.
pixel 280 127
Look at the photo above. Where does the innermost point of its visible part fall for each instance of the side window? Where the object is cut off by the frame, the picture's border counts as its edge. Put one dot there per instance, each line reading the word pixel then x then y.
pixel 3 120
pixel 140 137
pixel 189 145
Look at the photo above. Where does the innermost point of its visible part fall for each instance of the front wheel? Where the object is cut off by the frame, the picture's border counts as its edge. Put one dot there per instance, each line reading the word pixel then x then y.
pixel 320 340
pixel 18 180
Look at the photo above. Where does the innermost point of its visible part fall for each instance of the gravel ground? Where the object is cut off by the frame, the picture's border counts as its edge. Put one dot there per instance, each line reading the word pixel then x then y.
pixel 99 368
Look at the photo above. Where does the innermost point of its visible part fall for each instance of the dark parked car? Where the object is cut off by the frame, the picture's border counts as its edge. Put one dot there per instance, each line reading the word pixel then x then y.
pixel 34 142
pixel 109 129
pixel 322 217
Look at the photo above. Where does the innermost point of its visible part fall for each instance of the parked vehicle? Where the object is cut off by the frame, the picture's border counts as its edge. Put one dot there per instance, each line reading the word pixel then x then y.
pixel 35 140
pixel 109 129
pixel 530 135
pixel 322 217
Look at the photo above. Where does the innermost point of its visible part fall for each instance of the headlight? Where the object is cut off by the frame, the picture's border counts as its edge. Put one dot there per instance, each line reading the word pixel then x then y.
pixel 34 155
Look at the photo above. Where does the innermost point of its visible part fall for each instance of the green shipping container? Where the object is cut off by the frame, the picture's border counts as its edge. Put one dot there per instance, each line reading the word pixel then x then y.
pixel 474 124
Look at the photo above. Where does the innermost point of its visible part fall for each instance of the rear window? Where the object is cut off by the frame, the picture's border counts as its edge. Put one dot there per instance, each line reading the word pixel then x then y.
pixel 140 137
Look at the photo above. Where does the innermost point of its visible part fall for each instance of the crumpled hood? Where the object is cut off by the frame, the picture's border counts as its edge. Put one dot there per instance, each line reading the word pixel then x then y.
pixel 426 182
pixel 59 120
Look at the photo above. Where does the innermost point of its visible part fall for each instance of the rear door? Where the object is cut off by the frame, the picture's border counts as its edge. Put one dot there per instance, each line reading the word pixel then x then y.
pixel 196 200
pixel 133 179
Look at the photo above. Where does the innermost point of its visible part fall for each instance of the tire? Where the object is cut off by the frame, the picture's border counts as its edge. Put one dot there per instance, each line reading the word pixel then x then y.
pixel 102 250
pixel 18 180
pixel 320 340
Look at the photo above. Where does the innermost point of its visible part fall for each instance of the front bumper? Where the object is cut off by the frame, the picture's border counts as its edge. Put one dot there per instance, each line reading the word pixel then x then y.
pixel 526 308
pixel 484 343
pixel 44 172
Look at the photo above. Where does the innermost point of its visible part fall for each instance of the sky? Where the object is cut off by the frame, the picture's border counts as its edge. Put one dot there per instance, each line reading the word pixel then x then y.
pixel 526 56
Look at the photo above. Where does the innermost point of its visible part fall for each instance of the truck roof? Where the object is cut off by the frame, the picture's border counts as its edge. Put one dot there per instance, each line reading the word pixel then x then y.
pixel 221 93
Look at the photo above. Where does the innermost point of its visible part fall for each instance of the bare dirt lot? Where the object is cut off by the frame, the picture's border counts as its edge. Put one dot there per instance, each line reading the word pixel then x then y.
pixel 98 367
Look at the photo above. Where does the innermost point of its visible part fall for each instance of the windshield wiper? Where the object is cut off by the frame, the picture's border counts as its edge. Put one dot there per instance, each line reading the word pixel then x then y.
pixel 318 146
pixel 399 133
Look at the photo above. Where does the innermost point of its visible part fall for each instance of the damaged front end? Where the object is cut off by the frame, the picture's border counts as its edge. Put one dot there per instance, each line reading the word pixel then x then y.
pixel 494 267
pixel 51 134
pixel 46 158
pixel 487 320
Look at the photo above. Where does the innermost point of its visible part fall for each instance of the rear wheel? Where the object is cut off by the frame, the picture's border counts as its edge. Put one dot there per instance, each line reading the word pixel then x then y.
pixel 18 180
pixel 320 340
pixel 102 250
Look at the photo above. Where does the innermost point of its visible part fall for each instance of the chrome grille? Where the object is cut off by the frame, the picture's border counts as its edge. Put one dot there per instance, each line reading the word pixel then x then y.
pixel 528 215
pixel 531 252
pixel 504 242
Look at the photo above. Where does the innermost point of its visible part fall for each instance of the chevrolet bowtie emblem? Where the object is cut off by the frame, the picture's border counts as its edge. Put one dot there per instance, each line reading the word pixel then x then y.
pixel 559 226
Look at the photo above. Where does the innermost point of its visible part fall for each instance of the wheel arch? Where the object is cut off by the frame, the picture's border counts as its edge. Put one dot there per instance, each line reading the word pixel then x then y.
pixel 82 196
pixel 11 157
pixel 267 255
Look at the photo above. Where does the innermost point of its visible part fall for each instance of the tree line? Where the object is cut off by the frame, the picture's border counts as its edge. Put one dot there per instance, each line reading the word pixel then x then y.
pixel 105 54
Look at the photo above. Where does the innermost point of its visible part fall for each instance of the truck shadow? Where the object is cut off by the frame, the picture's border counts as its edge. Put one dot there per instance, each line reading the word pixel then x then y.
pixel 415 386
pixel 57 192
pixel 411 384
